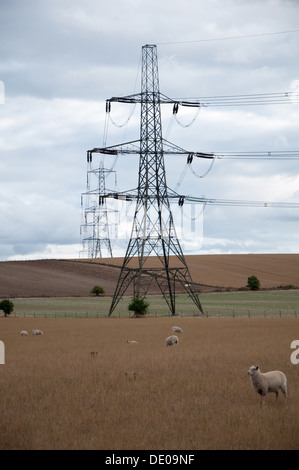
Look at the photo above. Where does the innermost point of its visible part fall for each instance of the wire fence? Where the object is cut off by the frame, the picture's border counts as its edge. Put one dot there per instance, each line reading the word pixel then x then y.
pixel 208 313
pixel 264 304
pixel 248 313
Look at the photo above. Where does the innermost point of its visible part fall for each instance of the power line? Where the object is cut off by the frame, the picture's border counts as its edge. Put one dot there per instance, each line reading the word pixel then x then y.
pixel 261 155
pixel 283 97
pixel 220 100
pixel 228 38
pixel 132 195
pixel 239 202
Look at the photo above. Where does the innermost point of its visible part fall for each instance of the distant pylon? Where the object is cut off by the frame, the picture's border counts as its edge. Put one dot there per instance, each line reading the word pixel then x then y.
pixel 153 231
pixel 95 226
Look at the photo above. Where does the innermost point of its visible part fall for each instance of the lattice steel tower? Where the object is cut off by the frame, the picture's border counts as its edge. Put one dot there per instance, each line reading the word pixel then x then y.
pixel 153 231
pixel 95 226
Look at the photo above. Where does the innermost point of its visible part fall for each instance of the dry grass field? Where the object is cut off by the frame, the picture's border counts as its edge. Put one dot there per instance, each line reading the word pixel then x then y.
pixel 81 386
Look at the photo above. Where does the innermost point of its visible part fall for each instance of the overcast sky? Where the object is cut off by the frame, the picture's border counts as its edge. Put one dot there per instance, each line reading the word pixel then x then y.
pixel 61 59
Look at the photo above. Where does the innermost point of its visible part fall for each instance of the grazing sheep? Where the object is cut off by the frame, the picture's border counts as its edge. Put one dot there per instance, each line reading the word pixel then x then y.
pixel 177 329
pixel 131 341
pixel 171 340
pixel 267 382
pixel 37 332
pixel 24 333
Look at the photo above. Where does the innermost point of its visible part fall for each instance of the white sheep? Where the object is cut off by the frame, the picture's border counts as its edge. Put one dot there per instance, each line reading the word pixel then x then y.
pixel 177 329
pixel 37 332
pixel 24 333
pixel 132 341
pixel 267 382
pixel 171 340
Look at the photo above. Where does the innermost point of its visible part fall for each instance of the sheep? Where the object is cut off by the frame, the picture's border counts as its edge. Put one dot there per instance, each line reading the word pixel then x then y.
pixel 132 341
pixel 171 340
pixel 177 329
pixel 24 333
pixel 37 332
pixel 267 382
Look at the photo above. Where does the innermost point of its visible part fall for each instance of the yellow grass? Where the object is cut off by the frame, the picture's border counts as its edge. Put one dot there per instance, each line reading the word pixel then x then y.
pixel 80 386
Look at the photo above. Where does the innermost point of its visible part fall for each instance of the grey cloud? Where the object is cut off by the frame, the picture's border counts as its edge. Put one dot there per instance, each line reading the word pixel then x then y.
pixel 62 60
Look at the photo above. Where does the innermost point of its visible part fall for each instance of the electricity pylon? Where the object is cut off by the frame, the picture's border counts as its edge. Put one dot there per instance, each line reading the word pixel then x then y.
pixel 95 226
pixel 153 231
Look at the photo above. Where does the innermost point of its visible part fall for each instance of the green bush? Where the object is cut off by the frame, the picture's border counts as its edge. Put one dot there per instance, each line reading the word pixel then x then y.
pixel 138 305
pixel 253 283
pixel 97 290
pixel 7 306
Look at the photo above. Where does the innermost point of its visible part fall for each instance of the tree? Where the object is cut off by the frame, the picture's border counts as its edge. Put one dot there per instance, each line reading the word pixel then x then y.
pixel 138 305
pixel 253 283
pixel 7 306
pixel 97 290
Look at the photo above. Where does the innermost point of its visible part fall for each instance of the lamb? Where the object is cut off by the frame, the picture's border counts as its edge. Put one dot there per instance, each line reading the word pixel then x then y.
pixel 24 333
pixel 267 382
pixel 171 340
pixel 177 329
pixel 37 332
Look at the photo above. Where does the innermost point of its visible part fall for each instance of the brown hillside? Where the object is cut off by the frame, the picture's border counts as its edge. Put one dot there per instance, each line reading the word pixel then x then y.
pixel 77 277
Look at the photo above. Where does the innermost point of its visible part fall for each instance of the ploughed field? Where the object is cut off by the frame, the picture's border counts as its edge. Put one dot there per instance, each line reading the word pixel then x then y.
pixel 80 385
pixel 54 278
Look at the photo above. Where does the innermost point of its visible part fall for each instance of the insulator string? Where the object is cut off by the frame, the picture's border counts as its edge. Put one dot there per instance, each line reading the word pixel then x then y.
pixel 192 120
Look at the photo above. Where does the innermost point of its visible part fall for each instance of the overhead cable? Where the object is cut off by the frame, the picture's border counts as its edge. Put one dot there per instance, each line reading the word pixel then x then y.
pixel 228 37
pixel 285 97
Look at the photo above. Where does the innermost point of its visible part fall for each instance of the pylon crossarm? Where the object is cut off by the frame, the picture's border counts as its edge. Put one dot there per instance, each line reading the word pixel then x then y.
pixel 170 148
pixel 127 148
pixel 133 147
pixel 163 99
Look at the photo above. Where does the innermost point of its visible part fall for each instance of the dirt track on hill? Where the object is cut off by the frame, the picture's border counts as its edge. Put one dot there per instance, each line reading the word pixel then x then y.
pixel 51 278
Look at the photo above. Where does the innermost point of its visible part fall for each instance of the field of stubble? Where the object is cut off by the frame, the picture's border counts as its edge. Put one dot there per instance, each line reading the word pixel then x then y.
pixel 81 386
